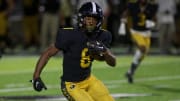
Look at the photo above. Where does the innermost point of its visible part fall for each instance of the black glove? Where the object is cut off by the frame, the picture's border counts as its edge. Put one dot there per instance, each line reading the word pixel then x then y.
pixel 38 84
pixel 96 48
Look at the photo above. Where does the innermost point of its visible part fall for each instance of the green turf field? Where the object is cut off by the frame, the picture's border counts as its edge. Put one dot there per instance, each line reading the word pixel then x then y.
pixel 157 79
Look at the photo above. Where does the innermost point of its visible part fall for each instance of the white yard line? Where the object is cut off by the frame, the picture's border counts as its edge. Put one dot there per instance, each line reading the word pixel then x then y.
pixel 53 99
pixel 160 78
pixel 61 98
pixel 110 83
pixel 117 95
pixel 6 90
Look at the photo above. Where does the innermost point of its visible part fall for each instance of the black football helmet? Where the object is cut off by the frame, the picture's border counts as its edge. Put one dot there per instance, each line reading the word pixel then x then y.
pixel 90 9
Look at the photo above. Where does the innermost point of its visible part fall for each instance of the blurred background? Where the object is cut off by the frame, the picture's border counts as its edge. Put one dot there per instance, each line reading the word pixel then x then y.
pixel 29 26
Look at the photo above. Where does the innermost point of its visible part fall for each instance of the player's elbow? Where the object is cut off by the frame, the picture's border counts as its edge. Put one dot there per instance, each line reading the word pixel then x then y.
pixel 110 59
pixel 114 63
pixel 111 62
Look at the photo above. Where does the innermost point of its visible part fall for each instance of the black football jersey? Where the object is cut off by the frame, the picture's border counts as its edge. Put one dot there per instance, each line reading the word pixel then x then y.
pixel 139 16
pixel 76 62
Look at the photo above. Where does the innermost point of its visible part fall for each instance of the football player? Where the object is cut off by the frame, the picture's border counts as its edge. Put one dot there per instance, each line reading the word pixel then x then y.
pixel 142 15
pixel 80 47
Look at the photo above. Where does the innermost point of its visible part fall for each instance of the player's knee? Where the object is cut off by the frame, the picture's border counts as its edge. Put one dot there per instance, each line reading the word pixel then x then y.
pixel 143 49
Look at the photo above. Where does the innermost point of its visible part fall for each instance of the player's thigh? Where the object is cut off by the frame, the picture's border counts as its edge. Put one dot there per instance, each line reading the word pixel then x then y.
pixel 98 91
pixel 74 93
pixel 141 41
pixel 138 39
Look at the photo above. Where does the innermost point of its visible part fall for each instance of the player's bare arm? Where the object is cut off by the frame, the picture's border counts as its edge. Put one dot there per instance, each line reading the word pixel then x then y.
pixel 109 58
pixel 52 50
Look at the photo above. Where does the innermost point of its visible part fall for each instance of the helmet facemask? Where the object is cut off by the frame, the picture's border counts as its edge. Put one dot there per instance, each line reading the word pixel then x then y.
pixel 90 23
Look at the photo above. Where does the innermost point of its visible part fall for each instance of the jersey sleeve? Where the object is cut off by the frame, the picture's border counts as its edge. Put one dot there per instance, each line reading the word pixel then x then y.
pixel 61 40
pixel 107 39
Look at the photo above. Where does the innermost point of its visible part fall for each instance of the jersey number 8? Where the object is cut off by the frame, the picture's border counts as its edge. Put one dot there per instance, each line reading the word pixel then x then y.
pixel 85 61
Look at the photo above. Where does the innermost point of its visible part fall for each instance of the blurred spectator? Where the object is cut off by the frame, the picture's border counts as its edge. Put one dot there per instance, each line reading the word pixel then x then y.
pixel 166 25
pixel 15 23
pixel 50 21
pixel 116 8
pixel 5 8
pixel 31 23
pixel 66 13
pixel 176 38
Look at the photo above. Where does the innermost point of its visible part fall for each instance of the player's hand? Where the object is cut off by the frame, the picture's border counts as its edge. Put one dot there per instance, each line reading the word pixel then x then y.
pixel 38 84
pixel 150 24
pixel 96 47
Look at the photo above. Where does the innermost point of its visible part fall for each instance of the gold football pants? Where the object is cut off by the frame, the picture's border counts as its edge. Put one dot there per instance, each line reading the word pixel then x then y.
pixel 90 89
pixel 141 40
